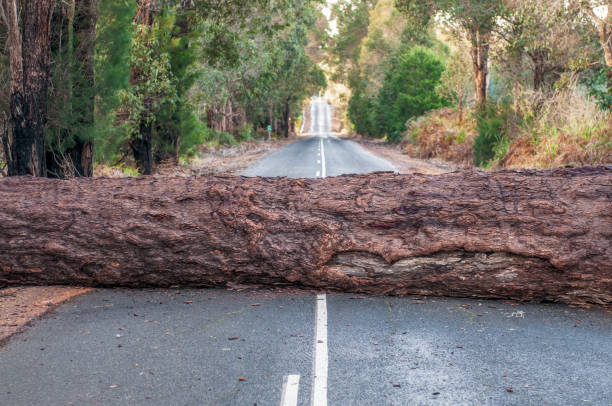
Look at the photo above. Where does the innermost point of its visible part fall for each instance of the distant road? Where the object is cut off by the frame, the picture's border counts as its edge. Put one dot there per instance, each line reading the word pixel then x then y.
pixel 319 155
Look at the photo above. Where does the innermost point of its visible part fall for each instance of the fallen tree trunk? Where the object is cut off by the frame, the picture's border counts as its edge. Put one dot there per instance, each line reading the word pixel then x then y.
pixel 526 235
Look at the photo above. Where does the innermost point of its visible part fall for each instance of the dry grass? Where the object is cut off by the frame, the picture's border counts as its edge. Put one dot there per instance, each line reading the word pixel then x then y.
pixel 544 130
pixel 439 134
pixel 564 129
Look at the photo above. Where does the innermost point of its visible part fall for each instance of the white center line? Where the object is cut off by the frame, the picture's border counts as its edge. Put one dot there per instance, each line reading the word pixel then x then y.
pixel 319 386
pixel 323 174
pixel 291 386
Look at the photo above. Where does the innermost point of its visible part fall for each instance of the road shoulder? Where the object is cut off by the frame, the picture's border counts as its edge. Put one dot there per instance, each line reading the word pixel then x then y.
pixel 21 305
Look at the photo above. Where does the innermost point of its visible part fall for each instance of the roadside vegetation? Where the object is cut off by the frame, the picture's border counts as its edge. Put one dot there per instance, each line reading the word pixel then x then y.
pixel 496 84
pixel 134 84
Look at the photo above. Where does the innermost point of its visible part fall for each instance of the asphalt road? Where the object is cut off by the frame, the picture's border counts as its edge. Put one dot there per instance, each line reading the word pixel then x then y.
pixel 190 347
pixel 319 155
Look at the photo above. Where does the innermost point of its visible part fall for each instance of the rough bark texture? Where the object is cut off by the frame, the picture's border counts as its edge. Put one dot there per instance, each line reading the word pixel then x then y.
pixel 526 235
pixel 480 62
pixel 29 48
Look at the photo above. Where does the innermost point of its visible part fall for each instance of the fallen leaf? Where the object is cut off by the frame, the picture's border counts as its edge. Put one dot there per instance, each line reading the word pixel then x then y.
pixel 509 389
pixel 241 379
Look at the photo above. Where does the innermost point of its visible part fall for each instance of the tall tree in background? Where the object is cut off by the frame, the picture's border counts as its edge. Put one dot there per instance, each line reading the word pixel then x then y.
pixel 28 27
pixel 474 18
pixel 69 134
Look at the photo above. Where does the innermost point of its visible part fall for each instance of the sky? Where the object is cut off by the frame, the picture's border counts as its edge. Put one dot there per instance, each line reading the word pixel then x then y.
pixel 333 28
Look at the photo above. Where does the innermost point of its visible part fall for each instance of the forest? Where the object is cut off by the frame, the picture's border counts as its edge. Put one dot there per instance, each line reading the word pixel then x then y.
pixel 489 83
pixel 138 83
pixel 85 82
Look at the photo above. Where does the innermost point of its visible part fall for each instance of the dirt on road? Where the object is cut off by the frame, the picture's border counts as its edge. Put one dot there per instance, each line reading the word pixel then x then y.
pixel 22 304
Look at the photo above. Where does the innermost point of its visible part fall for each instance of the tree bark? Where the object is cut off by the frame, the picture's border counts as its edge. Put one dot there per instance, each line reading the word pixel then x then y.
pixel 525 235
pixel 538 59
pixel 480 39
pixel 29 48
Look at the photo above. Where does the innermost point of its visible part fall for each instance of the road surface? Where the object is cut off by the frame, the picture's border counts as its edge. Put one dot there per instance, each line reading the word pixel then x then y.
pixel 191 347
pixel 319 155
pixel 262 347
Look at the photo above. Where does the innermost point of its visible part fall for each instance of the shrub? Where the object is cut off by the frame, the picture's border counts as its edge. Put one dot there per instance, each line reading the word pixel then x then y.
pixel 491 141
pixel 408 90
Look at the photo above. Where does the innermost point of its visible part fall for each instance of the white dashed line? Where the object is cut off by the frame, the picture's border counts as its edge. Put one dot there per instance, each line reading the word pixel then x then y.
pixel 323 174
pixel 291 386
pixel 319 385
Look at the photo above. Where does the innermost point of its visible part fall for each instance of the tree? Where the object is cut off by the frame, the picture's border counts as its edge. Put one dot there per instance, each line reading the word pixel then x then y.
pixel 28 26
pixel 69 142
pixel 455 83
pixel 601 13
pixel 408 90
pixel 474 18
pixel 547 33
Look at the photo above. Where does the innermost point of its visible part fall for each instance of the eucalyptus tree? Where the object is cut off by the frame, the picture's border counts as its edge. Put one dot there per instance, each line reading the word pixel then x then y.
pixel 28 41
pixel 475 19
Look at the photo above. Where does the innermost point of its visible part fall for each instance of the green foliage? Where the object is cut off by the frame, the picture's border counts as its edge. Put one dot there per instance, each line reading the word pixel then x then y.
pixel 598 87
pixel 491 141
pixel 112 74
pixel 408 90
pixel 361 111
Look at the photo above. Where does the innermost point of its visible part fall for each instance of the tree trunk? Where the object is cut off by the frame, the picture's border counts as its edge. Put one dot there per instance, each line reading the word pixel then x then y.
pixel 605 37
pixel 525 235
pixel 85 34
pixel 539 67
pixel 286 118
pixel 480 60
pixel 142 148
pixel 29 49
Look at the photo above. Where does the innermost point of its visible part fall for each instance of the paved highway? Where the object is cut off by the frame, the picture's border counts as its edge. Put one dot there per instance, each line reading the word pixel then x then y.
pixel 191 347
pixel 319 155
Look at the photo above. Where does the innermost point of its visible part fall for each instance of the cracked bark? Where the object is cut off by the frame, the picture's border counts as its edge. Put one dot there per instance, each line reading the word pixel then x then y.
pixel 525 235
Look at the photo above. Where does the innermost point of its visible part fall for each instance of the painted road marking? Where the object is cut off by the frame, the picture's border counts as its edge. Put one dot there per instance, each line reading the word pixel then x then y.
pixel 319 385
pixel 291 386
pixel 323 174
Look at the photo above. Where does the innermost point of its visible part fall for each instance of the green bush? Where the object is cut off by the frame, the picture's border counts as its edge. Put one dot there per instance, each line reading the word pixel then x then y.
pixel 227 139
pixel 408 90
pixel 244 132
pixel 491 141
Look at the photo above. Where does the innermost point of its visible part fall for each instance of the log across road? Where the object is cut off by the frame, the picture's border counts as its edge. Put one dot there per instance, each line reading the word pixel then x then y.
pixel 526 235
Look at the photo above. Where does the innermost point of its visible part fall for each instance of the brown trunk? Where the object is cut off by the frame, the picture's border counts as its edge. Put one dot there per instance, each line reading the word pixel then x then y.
pixel 526 235
pixel 605 37
pixel 286 118
pixel 29 48
pixel 539 68
pixel 480 39
pixel 142 148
